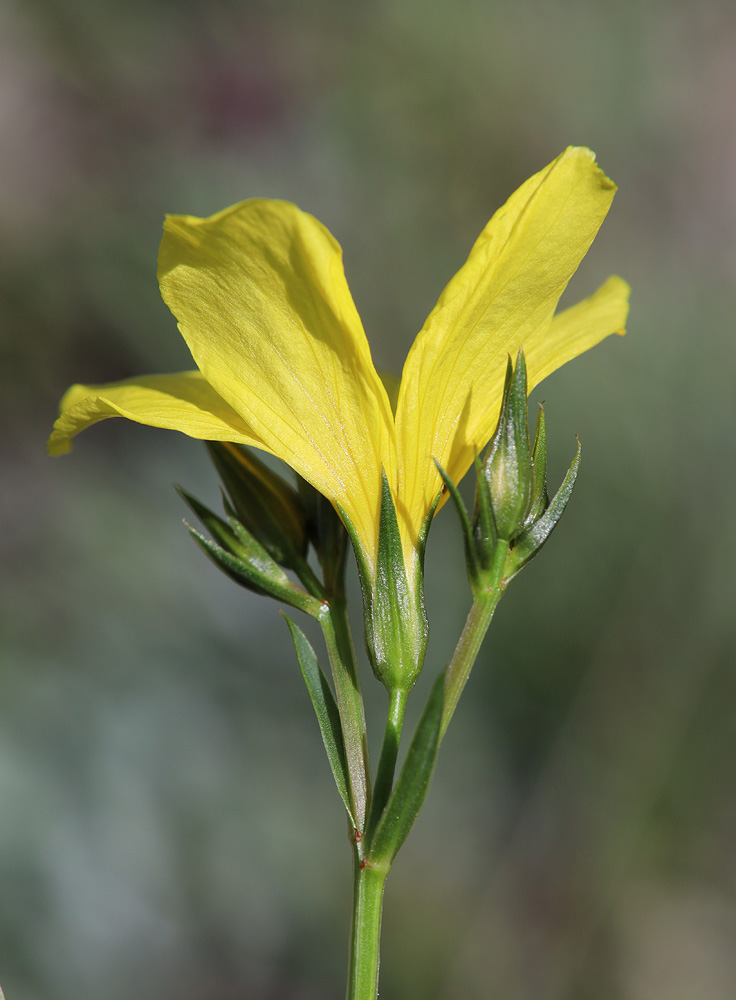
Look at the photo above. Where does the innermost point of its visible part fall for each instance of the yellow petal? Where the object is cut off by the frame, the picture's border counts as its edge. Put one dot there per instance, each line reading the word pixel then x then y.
pixel 577 329
pixel 391 384
pixel 503 296
pixel 261 298
pixel 182 402
pixel 570 333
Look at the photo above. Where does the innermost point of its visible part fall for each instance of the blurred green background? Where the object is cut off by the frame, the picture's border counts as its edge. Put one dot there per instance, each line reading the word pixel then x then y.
pixel 168 827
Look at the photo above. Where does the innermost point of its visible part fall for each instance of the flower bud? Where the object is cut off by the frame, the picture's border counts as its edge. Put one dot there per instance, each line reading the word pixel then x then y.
pixel 395 617
pixel 508 465
pixel 242 557
pixel 513 513
pixel 264 503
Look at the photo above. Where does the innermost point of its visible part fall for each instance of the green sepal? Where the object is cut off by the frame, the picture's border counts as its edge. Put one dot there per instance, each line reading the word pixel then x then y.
pixel 263 502
pixel 241 557
pixel 485 535
pixel 540 497
pixel 465 525
pixel 395 645
pixel 248 576
pixel 508 464
pixel 533 538
pixel 224 534
pixel 325 708
pixel 424 530
pixel 412 785
pixel 396 619
pixel 469 540
pixel 327 534
pixel 302 569
pixel 364 570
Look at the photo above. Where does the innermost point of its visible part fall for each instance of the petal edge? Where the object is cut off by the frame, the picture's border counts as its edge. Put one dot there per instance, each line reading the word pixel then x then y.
pixel 183 402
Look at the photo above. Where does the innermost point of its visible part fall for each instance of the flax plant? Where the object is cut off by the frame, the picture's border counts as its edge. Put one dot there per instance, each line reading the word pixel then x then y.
pixel 284 367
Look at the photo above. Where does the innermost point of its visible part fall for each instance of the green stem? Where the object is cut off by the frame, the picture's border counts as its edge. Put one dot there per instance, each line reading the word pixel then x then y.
pixel 341 653
pixel 470 641
pixel 368 884
pixel 387 761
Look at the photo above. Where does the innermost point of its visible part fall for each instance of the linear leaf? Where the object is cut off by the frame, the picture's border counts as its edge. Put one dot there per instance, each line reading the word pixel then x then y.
pixel 325 708
pixel 411 788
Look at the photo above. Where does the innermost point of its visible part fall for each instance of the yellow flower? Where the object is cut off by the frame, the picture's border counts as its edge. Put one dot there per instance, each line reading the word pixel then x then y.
pixel 261 299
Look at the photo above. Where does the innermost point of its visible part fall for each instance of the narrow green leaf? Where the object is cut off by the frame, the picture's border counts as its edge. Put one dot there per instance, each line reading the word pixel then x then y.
pixel 532 540
pixel 412 785
pixel 325 708
pixel 345 677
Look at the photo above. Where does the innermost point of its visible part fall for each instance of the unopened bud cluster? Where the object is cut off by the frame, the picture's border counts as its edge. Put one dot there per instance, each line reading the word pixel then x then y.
pixel 267 529
pixel 513 514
